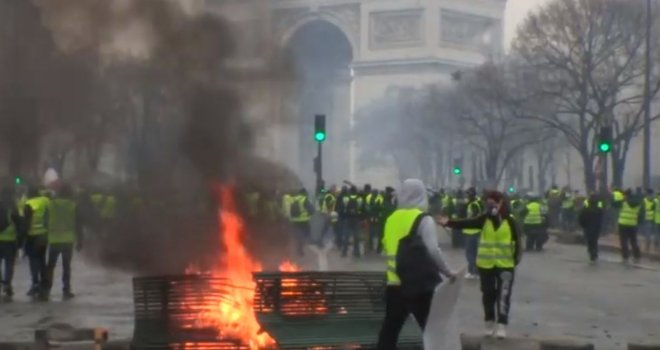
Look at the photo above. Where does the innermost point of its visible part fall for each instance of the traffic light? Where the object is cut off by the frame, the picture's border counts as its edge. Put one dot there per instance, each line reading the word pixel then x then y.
pixel 512 189
pixel 319 128
pixel 605 139
pixel 18 180
pixel 457 170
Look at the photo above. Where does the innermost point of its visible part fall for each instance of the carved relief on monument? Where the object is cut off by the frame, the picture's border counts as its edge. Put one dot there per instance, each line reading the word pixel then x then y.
pixel 469 31
pixel 396 29
pixel 346 17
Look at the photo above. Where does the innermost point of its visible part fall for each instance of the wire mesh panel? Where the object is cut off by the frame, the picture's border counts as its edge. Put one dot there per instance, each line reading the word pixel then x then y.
pixel 325 310
pixel 168 308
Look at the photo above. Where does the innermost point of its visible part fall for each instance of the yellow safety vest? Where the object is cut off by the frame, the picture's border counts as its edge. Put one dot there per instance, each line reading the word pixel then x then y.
pixel 304 215
pixel 618 196
pixel 629 215
pixel 40 206
pixel 332 200
pixel 496 247
pixel 397 226
pixel 62 221
pixel 472 231
pixel 286 205
pixel 9 234
pixel 568 203
pixel 534 214
pixel 649 214
pixel 657 210
pixel 105 205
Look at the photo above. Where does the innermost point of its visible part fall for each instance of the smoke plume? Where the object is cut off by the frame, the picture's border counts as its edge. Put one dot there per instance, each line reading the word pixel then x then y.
pixel 166 85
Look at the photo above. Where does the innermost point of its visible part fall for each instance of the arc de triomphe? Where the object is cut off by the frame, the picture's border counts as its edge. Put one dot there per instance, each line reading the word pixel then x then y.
pixel 365 47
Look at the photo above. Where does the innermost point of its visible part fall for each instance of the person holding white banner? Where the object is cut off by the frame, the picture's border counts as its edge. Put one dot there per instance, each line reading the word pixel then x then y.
pixel 414 266
pixel 498 255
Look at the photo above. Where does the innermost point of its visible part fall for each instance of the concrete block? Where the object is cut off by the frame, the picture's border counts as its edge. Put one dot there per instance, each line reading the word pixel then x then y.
pixel 644 346
pixel 565 344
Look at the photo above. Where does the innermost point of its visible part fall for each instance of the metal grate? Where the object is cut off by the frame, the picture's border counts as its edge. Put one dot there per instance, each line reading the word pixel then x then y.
pixel 167 309
pixel 326 310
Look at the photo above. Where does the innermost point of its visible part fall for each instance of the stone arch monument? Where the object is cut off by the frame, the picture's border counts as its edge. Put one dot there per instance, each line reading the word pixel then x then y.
pixel 407 43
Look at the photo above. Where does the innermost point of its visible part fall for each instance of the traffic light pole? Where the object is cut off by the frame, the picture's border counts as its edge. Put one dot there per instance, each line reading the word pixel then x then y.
pixel 319 168
pixel 647 100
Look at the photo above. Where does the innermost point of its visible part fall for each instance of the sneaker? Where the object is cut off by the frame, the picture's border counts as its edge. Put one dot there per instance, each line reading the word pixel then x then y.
pixel 500 331
pixel 33 292
pixel 468 276
pixel 490 329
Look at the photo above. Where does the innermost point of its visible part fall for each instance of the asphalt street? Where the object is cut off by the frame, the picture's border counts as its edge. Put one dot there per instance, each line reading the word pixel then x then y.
pixel 557 294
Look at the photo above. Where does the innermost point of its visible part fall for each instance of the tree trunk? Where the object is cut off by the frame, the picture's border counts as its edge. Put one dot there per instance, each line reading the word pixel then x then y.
pixel 589 176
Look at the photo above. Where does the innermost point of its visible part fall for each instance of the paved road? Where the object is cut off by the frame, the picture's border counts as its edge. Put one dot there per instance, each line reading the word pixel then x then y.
pixel 556 294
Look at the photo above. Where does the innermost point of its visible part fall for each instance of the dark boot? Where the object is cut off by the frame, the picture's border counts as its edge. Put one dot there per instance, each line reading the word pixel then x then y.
pixel 67 294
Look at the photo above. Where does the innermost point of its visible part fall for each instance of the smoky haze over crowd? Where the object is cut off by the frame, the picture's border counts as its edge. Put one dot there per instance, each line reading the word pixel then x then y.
pixel 160 82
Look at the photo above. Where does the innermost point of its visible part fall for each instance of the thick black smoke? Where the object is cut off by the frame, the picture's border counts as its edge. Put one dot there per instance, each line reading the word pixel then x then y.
pixel 174 75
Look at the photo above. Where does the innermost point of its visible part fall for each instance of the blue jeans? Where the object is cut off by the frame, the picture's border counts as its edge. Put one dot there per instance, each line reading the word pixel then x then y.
pixel 8 257
pixel 650 233
pixel 471 248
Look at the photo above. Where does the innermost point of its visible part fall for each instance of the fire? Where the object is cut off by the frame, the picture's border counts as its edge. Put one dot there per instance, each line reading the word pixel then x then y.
pixel 233 315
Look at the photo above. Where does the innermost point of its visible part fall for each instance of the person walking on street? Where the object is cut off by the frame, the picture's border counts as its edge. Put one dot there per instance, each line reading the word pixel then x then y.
pixel 301 211
pixel 37 214
pixel 498 256
pixel 648 226
pixel 352 213
pixel 471 235
pixel 65 232
pixel 591 221
pixel 535 223
pixel 411 278
pixel 631 215
pixel 10 224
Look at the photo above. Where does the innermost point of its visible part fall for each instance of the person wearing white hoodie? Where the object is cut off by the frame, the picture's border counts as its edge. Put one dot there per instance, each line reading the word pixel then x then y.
pixel 412 202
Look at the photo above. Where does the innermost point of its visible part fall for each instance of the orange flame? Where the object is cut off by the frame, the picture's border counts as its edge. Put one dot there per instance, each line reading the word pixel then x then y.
pixel 233 315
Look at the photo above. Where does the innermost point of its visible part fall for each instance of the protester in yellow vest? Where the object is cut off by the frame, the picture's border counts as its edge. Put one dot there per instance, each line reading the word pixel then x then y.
pixel 535 223
pixel 328 207
pixel 631 215
pixel 37 212
pixel 648 226
pixel 65 231
pixel 657 220
pixel 301 210
pixel 498 255
pixel 471 235
pixel 10 221
pixel 413 202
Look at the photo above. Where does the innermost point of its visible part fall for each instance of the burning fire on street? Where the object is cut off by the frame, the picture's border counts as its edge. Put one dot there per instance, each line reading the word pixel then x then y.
pixel 231 312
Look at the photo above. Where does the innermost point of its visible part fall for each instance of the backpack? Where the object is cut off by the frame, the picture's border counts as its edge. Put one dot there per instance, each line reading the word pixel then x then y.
pixel 416 269
pixel 295 210
pixel 352 207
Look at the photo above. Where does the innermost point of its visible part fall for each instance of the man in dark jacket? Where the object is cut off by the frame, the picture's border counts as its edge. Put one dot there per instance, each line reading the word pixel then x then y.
pixel 591 220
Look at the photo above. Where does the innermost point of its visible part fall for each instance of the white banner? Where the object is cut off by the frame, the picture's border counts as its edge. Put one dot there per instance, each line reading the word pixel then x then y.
pixel 442 308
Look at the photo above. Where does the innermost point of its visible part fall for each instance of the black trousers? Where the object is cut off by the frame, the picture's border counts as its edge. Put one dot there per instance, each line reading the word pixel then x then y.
pixel 54 252
pixel 591 237
pixel 36 247
pixel 628 237
pixel 397 310
pixel 536 237
pixel 7 259
pixel 496 288
pixel 351 230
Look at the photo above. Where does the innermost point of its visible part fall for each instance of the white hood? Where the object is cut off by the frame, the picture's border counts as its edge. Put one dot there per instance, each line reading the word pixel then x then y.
pixel 413 195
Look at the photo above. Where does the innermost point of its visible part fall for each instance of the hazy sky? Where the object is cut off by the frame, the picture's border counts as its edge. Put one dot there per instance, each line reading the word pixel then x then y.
pixel 516 12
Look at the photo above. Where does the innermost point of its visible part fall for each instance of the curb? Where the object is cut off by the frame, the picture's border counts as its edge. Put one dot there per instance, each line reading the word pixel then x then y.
pixel 577 239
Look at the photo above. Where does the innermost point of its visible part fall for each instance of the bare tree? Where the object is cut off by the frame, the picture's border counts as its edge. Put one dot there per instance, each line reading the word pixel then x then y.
pixel 588 56
pixel 485 114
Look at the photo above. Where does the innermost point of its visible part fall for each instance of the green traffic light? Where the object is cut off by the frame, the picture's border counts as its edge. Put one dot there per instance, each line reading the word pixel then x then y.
pixel 457 171
pixel 605 147
pixel 18 180
pixel 512 189
pixel 319 136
